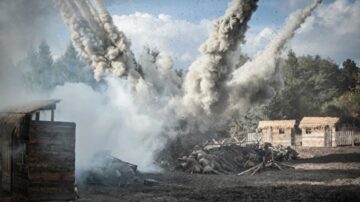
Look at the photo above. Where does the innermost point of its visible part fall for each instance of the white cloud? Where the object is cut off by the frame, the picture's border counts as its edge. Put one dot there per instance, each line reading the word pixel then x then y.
pixel 257 39
pixel 179 38
pixel 295 4
pixel 332 32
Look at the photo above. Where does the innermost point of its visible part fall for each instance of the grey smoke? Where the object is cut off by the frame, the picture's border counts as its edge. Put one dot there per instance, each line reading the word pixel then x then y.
pixel 258 79
pixel 22 26
pixel 214 88
pixel 98 40
pixel 202 85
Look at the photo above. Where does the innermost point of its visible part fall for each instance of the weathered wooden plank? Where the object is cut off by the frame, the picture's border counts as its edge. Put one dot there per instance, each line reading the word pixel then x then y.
pixel 51 130
pixel 51 148
pixel 51 153
pixel 68 161
pixel 52 176
pixel 344 138
pixel 20 185
pixel 51 165
pixel 51 157
pixel 56 133
pixel 70 168
pixel 49 123
pixel 50 190
pixel 51 197
pixel 35 183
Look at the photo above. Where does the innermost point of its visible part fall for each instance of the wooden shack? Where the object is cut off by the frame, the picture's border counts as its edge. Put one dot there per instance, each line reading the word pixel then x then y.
pixel 319 131
pixel 37 156
pixel 277 132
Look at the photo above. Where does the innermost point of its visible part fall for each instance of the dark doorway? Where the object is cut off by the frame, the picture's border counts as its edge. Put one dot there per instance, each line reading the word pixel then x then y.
pixel 328 136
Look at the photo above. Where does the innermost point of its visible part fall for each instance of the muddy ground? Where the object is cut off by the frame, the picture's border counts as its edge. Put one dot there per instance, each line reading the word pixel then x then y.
pixel 323 175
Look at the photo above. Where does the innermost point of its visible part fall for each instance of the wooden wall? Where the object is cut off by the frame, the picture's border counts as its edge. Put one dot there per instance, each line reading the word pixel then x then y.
pixel 5 150
pixel 273 136
pixel 20 171
pixel 266 135
pixel 315 139
pixel 51 161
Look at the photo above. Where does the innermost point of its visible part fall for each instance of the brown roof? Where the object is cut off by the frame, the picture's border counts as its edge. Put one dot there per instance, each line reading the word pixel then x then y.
pixel 277 124
pixel 313 122
pixel 31 107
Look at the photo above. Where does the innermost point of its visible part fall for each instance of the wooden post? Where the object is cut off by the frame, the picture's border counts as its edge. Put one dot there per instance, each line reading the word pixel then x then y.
pixel 52 115
pixel 352 139
pixel 37 116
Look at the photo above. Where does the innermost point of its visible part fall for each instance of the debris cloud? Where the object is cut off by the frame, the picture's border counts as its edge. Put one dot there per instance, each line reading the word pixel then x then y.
pixel 203 83
pixel 258 79
pixel 98 40
pixel 184 111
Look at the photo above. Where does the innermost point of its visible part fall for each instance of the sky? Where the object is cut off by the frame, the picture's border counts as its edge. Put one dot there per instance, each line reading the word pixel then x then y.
pixel 180 27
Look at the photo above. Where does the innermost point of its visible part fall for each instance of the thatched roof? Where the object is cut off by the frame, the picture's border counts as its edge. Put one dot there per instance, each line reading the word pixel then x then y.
pixel 32 107
pixel 277 124
pixel 314 122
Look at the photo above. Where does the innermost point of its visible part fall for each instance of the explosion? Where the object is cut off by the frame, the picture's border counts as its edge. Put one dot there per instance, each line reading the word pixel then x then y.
pixel 215 89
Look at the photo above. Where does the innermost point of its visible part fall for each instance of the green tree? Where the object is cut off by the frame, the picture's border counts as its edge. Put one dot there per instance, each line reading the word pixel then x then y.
pixel 71 68
pixel 45 62
pixel 348 104
pixel 308 83
pixel 348 73
pixel 37 68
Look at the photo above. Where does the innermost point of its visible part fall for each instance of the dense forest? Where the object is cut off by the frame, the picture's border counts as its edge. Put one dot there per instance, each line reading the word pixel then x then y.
pixel 312 86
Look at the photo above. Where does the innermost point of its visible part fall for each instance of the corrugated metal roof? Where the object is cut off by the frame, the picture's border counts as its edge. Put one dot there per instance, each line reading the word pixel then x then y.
pixel 313 122
pixel 277 124
pixel 31 107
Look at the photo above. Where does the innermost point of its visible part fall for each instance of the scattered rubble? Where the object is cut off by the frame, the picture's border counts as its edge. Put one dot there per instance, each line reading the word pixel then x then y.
pixel 271 157
pixel 108 170
pixel 227 158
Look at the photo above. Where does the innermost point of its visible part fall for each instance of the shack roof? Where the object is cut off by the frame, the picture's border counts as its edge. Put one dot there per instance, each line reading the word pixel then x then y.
pixel 14 115
pixel 313 122
pixel 31 107
pixel 277 124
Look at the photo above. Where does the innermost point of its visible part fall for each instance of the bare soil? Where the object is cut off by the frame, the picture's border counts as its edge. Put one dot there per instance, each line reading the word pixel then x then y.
pixel 328 174
pixel 324 174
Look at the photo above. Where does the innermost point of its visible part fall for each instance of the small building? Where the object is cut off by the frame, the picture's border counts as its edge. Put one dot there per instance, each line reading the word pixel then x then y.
pixel 37 157
pixel 278 132
pixel 319 131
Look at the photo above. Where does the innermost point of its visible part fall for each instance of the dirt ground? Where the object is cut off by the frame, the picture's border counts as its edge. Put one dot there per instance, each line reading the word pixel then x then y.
pixel 324 174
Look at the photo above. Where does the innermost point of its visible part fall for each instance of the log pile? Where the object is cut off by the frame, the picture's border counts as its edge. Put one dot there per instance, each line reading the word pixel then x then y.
pixel 234 159
pixel 271 157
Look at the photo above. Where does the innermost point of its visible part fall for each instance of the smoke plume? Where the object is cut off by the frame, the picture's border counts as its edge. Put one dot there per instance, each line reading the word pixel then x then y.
pixel 21 27
pixel 258 80
pixel 163 106
pixel 98 40
pixel 203 82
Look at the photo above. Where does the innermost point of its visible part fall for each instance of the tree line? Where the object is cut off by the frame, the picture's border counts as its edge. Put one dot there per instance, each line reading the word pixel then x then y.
pixel 42 72
pixel 312 86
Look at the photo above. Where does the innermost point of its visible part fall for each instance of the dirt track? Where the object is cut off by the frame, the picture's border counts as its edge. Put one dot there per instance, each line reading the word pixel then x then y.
pixel 330 175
